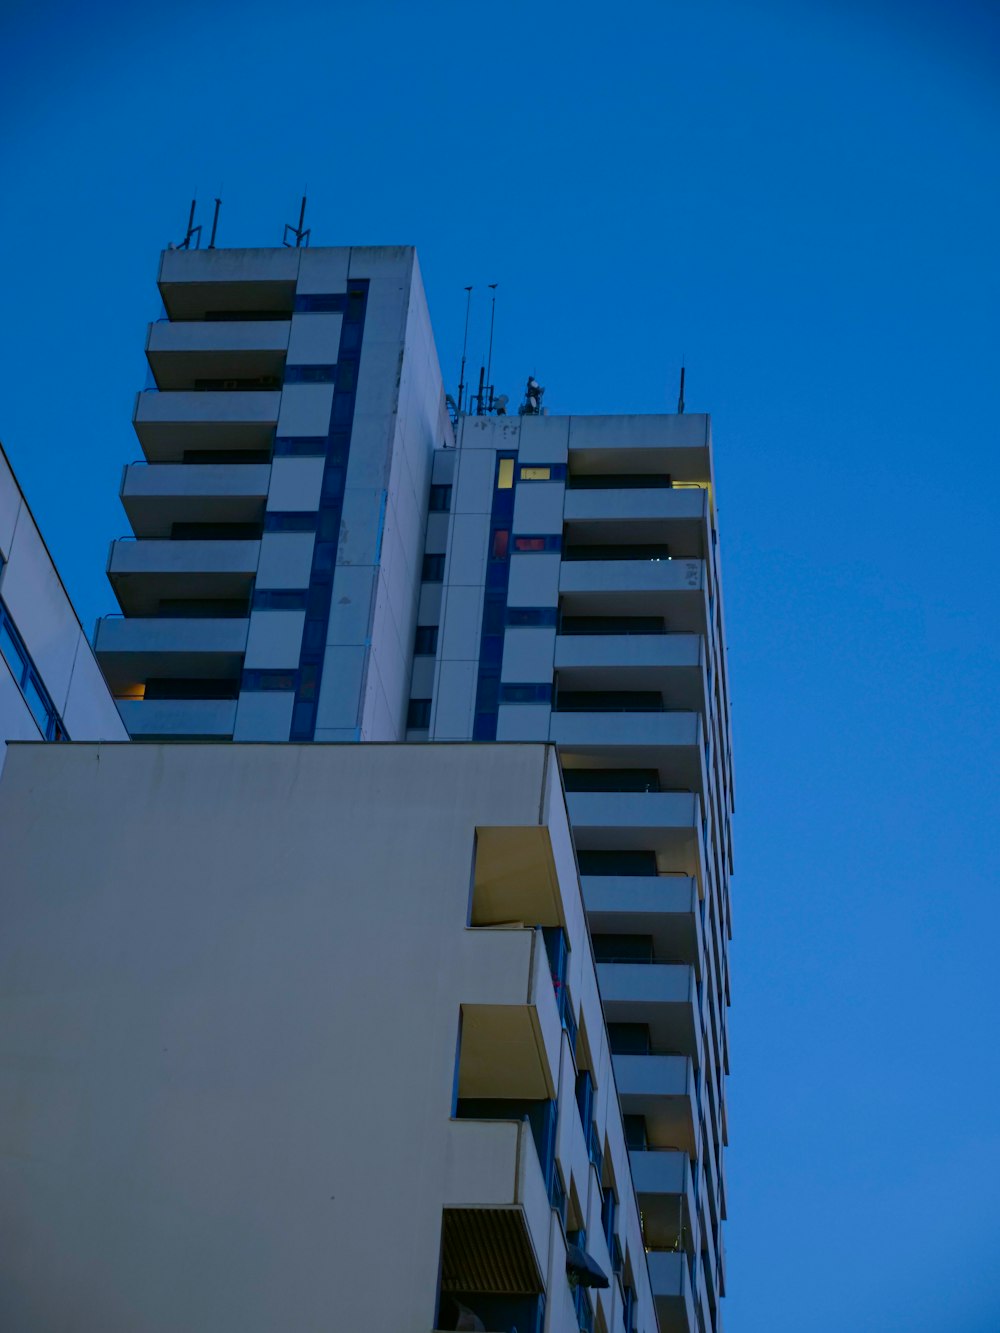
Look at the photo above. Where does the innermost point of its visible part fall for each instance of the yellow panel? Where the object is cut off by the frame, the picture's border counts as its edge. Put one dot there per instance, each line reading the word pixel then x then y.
pixel 505 474
pixel 536 473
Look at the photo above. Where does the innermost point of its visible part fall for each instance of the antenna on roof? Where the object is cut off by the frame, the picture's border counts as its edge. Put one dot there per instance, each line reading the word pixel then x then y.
pixel 465 346
pixel 193 233
pixel 489 360
pixel 300 233
pixel 680 397
pixel 215 224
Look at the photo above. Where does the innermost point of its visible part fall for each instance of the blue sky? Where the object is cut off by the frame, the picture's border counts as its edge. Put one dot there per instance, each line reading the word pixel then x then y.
pixel 803 201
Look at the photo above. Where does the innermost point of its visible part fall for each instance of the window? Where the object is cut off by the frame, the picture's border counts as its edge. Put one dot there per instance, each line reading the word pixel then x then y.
pixel 426 641
pixel 532 615
pixel 635 1132
pixel 536 473
pixel 629 1038
pixel 501 544
pixel 526 694
pixel 29 682
pixel 433 569
pixel 310 374
pixel 418 715
pixel 537 543
pixel 288 522
pixel 505 474
pixel 440 501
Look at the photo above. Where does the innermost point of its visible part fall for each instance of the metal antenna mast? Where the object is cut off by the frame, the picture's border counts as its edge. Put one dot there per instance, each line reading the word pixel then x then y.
pixel 300 233
pixel 680 399
pixel 215 223
pixel 489 359
pixel 465 346
pixel 193 233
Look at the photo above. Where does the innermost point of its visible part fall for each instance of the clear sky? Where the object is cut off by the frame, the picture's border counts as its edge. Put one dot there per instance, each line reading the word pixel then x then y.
pixel 802 199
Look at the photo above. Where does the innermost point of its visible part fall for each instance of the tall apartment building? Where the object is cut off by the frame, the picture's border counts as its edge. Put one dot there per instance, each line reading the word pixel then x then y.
pixel 321 555
pixel 51 687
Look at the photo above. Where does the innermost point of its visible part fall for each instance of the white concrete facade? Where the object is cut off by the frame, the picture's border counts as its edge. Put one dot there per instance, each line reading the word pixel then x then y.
pixel 51 687
pixel 581 604
pixel 338 1063
pixel 288 443
pixel 528 578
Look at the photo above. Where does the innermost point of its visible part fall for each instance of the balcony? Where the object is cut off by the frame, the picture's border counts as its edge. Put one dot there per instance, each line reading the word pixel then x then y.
pixel 673 1299
pixel 673 589
pixel 671 664
pixel 200 284
pixel 143 573
pixel 181 353
pixel 497 1216
pixel 178 421
pixel 662 1089
pixel 666 822
pixel 673 445
pixel 155 496
pixel 661 996
pixel 206 719
pixel 664 907
pixel 664 1186
pixel 511 1031
pixel 668 742
pixel 130 650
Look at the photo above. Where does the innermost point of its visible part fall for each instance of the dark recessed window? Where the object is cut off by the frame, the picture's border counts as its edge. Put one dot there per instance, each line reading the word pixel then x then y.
pixel 433 569
pixel 426 641
pixel 440 501
pixel 418 715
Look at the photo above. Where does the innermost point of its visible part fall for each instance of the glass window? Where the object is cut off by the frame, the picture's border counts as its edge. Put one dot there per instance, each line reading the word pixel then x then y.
pixel 418 714
pixel 536 473
pixel 501 544
pixel 505 474
pixel 433 569
pixel 36 702
pixel 425 642
pixel 11 651
pixel 440 501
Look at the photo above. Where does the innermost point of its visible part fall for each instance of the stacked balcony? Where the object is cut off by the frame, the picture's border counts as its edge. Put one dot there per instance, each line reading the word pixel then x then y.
pixel 196 503
pixel 633 717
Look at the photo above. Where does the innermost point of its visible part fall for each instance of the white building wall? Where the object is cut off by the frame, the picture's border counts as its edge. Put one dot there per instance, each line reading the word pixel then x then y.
pixel 247 1126
pixel 35 603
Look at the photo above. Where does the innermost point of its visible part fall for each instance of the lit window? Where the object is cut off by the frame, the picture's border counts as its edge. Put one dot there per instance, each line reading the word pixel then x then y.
pixel 536 473
pixel 505 474
pixel 501 541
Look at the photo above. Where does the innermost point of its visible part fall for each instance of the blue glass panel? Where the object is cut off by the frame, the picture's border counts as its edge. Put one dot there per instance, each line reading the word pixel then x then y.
pixel 310 374
pixel 526 694
pixel 269 680
pixel 37 702
pixel 532 615
pixel 294 445
pixel 290 522
pixel 11 650
pixel 279 599
pixel 323 301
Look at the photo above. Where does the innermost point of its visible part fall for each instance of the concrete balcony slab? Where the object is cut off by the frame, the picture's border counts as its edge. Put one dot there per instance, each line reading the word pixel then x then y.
pixel 133 649
pixel 171 422
pixel 157 495
pixel 150 719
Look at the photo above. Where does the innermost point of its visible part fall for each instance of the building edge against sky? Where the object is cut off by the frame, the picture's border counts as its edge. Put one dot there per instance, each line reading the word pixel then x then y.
pixel 51 687
pixel 322 553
